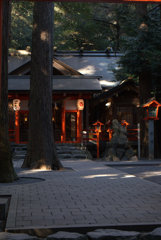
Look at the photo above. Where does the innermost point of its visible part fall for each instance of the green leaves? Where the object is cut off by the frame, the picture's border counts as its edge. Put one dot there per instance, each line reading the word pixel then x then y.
pixel 21 24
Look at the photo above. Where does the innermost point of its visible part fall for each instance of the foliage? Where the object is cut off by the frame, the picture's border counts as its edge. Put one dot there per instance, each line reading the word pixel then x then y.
pixel 143 50
pixel 93 26
pixel 21 24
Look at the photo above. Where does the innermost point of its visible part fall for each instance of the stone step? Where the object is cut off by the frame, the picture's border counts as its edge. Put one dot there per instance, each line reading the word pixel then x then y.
pixel 64 151
pixel 64 156
pixel 20 152
pixel 81 156
pixel 66 148
pixel 19 149
pixel 18 157
pixel 70 151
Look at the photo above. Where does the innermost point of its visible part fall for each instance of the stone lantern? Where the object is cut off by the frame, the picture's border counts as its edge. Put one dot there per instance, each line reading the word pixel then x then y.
pixel 152 108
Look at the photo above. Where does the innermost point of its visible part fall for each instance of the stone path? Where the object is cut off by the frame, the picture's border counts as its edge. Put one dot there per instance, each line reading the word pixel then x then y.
pixel 90 194
pixel 150 173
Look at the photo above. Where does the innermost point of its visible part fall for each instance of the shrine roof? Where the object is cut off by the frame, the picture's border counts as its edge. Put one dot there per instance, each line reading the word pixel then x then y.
pixel 22 83
pixel 88 64
pixel 93 64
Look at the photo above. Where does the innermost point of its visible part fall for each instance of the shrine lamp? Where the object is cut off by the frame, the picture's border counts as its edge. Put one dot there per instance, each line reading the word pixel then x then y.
pixel 125 123
pixel 98 126
pixel 152 108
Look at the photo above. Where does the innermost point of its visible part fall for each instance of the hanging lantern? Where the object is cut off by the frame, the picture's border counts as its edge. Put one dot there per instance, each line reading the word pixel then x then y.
pixel 80 104
pixel 16 104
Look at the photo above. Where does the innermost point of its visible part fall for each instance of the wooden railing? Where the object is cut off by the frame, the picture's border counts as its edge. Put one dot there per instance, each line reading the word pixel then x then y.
pixel 132 134
pixel 106 135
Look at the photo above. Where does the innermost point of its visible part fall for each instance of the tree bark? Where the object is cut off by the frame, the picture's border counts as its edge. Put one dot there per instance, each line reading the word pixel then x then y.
pixel 41 153
pixel 145 93
pixel 145 83
pixel 7 173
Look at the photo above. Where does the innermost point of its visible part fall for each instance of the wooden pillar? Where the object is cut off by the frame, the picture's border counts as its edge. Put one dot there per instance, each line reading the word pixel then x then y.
pixel 87 114
pixel 98 144
pixel 17 127
pixel 1 20
pixel 87 117
pixel 63 125
pixel 78 126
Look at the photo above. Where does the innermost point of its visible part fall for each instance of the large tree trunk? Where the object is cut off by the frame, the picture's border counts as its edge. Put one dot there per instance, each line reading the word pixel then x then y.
pixel 7 173
pixel 145 83
pixel 145 93
pixel 41 148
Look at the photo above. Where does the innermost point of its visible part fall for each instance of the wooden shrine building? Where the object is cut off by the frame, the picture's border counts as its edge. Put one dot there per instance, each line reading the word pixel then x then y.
pixel 71 93
pixel 82 87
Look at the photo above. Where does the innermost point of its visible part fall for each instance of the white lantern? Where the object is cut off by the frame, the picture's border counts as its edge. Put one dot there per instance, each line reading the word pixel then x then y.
pixel 16 104
pixel 80 104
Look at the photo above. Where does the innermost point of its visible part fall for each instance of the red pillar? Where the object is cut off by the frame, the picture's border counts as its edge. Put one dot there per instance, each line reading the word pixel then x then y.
pixel 78 126
pixel 98 144
pixel 17 127
pixel 63 126
pixel 1 18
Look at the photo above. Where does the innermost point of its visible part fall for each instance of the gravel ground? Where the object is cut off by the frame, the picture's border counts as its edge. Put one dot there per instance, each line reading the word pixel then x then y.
pixel 150 173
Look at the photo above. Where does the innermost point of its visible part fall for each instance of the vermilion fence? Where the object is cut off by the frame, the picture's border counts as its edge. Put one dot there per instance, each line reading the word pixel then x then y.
pixel 106 135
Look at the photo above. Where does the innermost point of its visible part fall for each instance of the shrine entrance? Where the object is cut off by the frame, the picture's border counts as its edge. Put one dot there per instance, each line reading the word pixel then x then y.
pixel 23 125
pixel 71 122
pixel 71 125
pixel 67 122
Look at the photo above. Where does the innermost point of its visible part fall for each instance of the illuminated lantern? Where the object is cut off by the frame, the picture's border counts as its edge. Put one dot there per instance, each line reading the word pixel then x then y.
pixel 152 108
pixel 16 104
pixel 80 104
pixel 125 123
pixel 98 126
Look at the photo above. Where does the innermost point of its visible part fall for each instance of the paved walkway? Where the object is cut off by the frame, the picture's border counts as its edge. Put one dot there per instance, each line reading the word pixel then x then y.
pixel 91 194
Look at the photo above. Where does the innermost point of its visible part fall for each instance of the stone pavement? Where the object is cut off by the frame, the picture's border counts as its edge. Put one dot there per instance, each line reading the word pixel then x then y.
pixel 86 194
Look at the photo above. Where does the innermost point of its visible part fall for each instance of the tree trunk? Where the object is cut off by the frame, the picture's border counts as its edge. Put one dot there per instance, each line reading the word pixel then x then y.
pixel 7 173
pixel 41 153
pixel 145 83
pixel 145 93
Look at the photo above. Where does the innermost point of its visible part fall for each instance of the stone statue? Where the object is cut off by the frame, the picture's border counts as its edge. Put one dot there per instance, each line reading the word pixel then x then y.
pixel 118 149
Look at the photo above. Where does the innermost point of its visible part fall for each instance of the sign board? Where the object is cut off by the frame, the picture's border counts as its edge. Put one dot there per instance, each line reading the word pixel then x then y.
pixel 16 104
pixel 80 104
